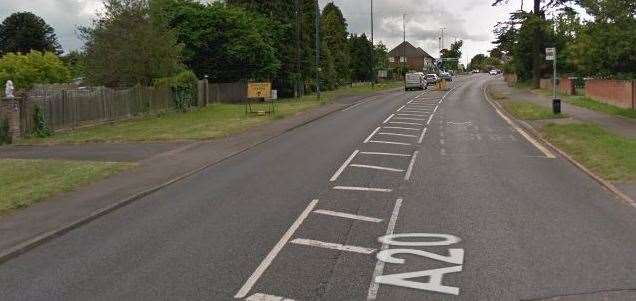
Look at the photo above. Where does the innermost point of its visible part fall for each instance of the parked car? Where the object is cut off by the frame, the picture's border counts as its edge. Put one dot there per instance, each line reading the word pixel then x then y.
pixel 431 79
pixel 414 81
pixel 446 76
pixel 493 72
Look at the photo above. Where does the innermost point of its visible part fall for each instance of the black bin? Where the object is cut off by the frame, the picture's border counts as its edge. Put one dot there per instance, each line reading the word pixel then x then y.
pixel 556 106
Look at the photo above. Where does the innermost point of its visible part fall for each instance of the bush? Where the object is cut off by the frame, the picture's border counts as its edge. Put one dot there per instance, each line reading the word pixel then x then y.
pixel 184 87
pixel 41 128
pixel 35 67
pixel 4 131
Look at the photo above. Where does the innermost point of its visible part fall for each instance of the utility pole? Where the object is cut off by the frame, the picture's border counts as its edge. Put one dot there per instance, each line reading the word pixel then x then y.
pixel 297 81
pixel 317 50
pixel 373 50
pixel 404 45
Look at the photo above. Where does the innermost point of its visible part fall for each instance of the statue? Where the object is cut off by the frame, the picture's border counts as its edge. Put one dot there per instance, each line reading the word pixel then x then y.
pixel 8 90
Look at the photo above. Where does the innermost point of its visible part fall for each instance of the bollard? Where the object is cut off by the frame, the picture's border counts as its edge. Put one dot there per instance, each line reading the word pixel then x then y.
pixel 556 106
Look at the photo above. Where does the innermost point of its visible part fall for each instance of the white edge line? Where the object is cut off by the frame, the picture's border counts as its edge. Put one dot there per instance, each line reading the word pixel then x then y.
pixel 348 215
pixel 354 188
pixel 245 289
pixel 534 142
pixel 388 118
pixel 371 135
pixel 400 109
pixel 379 266
pixel 410 169
pixel 332 246
pixel 429 119
pixel 343 166
pixel 266 297
pixel 422 136
pixel 436 107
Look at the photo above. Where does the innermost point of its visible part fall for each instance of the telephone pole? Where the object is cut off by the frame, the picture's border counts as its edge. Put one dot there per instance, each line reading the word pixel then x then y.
pixel 317 50
pixel 373 50
pixel 404 45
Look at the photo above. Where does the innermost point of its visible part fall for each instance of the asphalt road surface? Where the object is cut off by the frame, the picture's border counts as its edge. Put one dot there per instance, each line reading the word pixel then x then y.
pixel 418 195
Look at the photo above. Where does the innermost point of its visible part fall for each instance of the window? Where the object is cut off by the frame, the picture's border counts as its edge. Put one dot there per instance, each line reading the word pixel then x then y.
pixel 402 59
pixel 391 59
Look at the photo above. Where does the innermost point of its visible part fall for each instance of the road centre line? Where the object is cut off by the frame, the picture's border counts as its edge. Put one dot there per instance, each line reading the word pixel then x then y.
pixel 388 118
pixel 385 154
pixel 410 169
pixel 247 286
pixel 377 167
pixel 371 135
pixel 422 136
pixel 534 142
pixel 355 188
pixel 407 123
pixel 389 142
pixel 398 135
pixel 400 128
pixel 333 246
pixel 343 166
pixel 379 266
pixel 266 297
pixel 348 215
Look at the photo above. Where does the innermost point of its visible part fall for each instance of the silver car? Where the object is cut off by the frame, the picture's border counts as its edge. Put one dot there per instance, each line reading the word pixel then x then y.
pixel 414 81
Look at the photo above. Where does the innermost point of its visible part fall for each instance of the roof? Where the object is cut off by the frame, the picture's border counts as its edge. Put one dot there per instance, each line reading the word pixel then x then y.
pixel 406 48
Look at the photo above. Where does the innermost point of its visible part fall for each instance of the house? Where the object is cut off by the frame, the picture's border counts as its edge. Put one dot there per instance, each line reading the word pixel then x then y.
pixel 415 58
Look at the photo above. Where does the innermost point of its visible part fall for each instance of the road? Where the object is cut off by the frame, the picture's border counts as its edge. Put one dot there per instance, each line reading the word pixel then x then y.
pixel 409 196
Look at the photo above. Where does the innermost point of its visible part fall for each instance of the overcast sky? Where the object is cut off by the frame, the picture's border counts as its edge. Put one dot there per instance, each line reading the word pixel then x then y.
pixel 469 20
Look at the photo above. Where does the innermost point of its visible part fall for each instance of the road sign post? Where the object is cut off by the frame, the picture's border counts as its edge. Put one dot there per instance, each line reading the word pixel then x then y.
pixel 550 55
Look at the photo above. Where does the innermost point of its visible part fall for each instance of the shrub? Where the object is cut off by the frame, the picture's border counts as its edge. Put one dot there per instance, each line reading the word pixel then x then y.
pixel 4 131
pixel 35 67
pixel 41 128
pixel 183 86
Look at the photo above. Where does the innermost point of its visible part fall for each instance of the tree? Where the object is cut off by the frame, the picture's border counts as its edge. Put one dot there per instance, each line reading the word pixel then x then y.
pixel 381 57
pixel 222 42
pixel 334 36
pixel 76 62
pixel 451 56
pixel 361 51
pixel 128 45
pixel 32 68
pixel 24 31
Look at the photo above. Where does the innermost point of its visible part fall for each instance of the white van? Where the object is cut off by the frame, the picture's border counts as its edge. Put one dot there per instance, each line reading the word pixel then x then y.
pixel 414 81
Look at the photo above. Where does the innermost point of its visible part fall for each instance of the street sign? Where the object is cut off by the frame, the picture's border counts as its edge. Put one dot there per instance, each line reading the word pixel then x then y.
pixel 259 90
pixel 550 54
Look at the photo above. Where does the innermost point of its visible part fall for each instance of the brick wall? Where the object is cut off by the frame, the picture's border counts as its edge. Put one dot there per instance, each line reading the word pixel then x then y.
pixel 566 86
pixel 619 93
pixel 9 110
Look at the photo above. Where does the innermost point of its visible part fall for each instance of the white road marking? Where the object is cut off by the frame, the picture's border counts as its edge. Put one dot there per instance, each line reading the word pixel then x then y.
pixel 359 103
pixel 377 167
pixel 388 118
pixel 400 109
pixel 245 289
pixel 408 114
pixel 400 128
pixel 265 297
pixel 343 166
pixel 354 188
pixel 333 246
pixel 534 142
pixel 385 154
pixel 371 135
pixel 416 111
pixel 407 123
pixel 398 135
pixel 422 136
pixel 410 169
pixel 379 266
pixel 436 107
pixel 441 141
pixel 409 118
pixel 443 151
pixel 389 142
pixel 429 119
pixel 349 216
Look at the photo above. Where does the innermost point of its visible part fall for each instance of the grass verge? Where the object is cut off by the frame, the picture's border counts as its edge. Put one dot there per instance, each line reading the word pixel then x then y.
pixel 24 182
pixel 214 121
pixel 528 111
pixel 611 156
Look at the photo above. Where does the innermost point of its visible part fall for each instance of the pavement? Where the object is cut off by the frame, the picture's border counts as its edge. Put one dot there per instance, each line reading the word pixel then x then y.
pixel 409 196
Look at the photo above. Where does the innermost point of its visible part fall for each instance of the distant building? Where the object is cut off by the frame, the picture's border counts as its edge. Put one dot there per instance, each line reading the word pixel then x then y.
pixel 416 58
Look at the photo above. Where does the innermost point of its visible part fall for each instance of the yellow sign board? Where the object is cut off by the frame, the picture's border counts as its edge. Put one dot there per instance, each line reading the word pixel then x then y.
pixel 259 90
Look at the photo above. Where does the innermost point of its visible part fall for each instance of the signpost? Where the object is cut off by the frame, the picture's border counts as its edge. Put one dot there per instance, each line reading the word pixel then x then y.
pixel 259 94
pixel 550 55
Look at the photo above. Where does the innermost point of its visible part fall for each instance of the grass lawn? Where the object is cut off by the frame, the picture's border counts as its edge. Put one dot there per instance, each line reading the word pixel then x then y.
pixel 214 121
pixel 528 111
pixel 24 182
pixel 611 156
pixel 588 103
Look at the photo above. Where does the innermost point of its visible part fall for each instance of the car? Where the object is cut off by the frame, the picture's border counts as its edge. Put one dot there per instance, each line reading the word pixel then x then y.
pixel 431 79
pixel 493 72
pixel 414 81
pixel 446 76
pixel 476 71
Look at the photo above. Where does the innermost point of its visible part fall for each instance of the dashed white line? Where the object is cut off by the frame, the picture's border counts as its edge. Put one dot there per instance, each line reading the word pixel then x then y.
pixel 385 154
pixel 388 118
pixel 398 135
pixel 355 188
pixel 371 135
pixel 422 136
pixel 245 289
pixel 333 246
pixel 379 266
pixel 389 142
pixel 410 169
pixel 377 167
pixel 348 216
pixel 343 166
